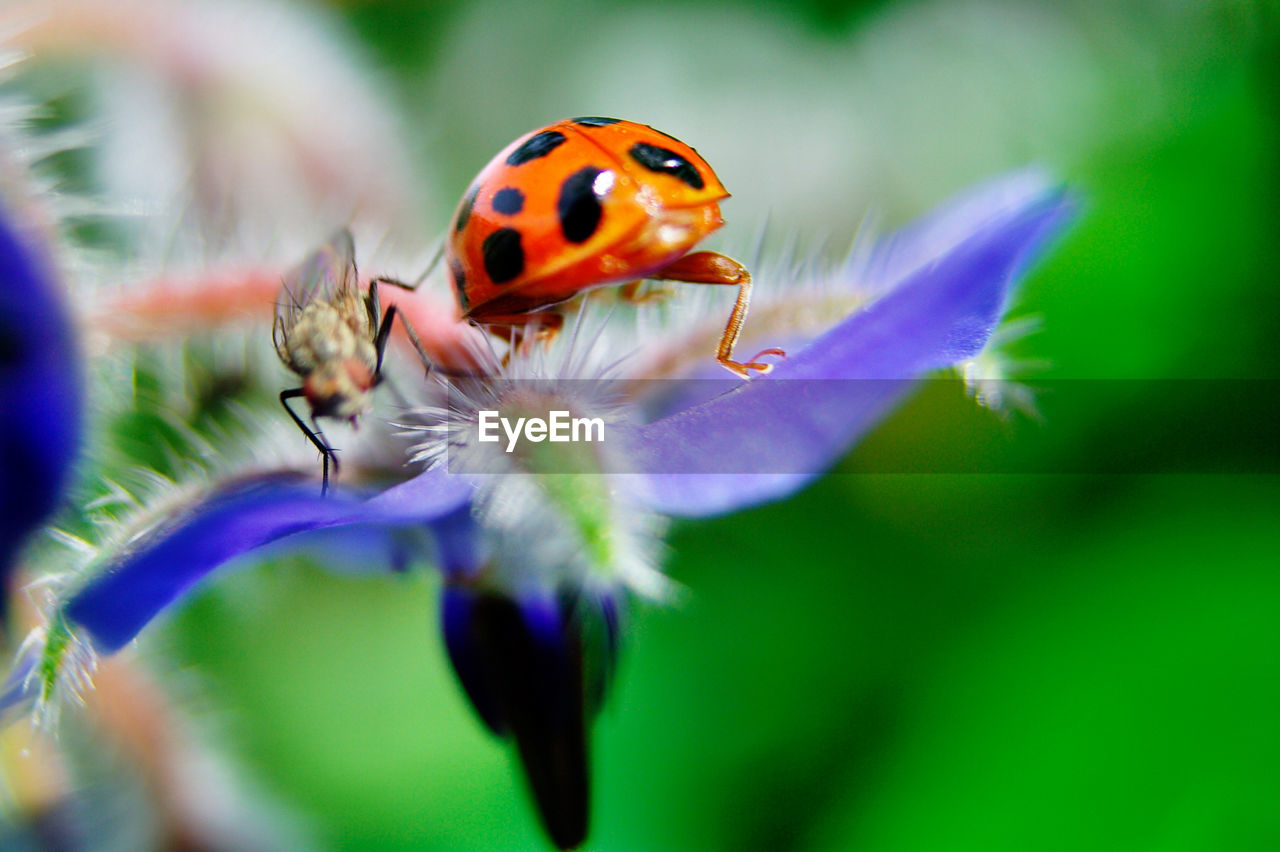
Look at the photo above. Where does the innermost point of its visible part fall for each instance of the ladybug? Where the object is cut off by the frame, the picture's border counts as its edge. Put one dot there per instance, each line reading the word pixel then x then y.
pixel 580 204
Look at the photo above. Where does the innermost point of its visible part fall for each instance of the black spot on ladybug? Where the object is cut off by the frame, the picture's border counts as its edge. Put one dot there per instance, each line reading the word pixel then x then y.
pixel 464 212
pixel 666 161
pixel 537 145
pixel 460 284
pixel 594 121
pixel 509 201
pixel 579 206
pixel 503 255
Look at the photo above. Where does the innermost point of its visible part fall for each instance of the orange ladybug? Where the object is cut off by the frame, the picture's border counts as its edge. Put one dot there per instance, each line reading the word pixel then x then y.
pixel 584 203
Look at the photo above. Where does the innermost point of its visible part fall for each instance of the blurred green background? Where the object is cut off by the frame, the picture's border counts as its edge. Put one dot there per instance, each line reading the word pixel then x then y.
pixel 889 662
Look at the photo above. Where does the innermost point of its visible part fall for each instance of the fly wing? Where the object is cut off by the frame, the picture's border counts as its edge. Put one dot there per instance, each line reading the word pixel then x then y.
pixel 326 274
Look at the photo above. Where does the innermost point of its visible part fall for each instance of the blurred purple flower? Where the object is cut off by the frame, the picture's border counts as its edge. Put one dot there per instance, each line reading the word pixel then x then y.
pixel 40 390
pixel 536 567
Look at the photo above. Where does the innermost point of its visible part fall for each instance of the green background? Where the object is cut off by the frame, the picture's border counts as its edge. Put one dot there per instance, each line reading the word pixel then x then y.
pixel 886 661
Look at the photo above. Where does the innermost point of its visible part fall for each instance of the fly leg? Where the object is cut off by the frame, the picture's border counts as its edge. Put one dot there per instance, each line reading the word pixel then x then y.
pixel 417 282
pixel 707 267
pixel 384 328
pixel 315 436
pixel 380 346
pixel 384 333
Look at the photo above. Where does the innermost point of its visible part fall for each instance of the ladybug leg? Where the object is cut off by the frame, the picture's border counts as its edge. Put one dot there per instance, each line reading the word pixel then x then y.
pixel 631 293
pixel 543 325
pixel 708 267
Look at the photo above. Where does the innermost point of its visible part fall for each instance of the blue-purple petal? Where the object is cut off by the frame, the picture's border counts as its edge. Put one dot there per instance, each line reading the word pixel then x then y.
pixel 40 390
pixel 431 494
pixel 459 546
pixel 167 561
pixel 770 436
pixel 939 315
pixel 768 446
pixel 931 237
pixel 444 500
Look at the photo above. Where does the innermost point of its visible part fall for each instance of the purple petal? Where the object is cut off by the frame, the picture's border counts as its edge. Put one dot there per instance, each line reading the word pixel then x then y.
pixel 446 500
pixel 885 265
pixel 458 543
pixel 770 436
pixel 931 237
pixel 40 390
pixel 170 559
pixel 431 494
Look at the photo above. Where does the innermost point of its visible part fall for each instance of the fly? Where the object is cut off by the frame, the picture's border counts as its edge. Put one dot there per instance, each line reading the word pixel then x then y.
pixel 328 332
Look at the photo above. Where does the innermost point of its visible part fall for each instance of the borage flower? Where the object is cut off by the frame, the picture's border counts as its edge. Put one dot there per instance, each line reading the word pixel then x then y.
pixel 540 543
pixel 40 392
